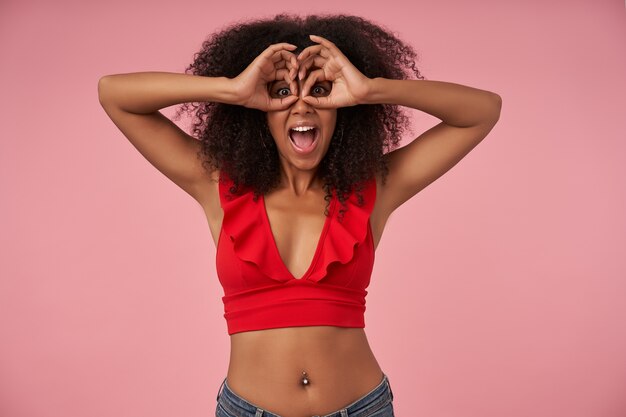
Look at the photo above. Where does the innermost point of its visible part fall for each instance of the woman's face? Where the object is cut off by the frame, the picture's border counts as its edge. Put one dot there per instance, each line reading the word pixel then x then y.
pixel 305 149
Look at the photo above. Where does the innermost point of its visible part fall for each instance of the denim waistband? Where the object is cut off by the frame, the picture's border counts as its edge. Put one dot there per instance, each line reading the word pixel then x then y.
pixel 378 397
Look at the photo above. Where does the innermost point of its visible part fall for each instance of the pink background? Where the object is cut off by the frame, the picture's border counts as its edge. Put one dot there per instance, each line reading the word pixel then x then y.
pixel 497 291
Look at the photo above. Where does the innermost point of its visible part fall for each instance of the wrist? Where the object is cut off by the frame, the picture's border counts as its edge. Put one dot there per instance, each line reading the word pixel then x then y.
pixel 373 91
pixel 227 90
pixel 234 91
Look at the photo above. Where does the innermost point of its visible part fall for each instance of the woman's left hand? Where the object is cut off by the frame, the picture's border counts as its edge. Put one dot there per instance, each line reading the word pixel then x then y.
pixel 349 85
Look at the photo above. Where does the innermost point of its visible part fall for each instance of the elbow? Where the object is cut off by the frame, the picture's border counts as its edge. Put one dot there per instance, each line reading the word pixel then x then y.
pixel 496 107
pixel 497 100
pixel 102 89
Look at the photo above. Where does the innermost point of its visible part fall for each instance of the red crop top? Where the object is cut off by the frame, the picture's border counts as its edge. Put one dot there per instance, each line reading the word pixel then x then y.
pixel 261 293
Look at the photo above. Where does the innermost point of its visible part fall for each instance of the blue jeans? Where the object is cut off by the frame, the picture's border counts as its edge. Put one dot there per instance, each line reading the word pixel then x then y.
pixel 376 403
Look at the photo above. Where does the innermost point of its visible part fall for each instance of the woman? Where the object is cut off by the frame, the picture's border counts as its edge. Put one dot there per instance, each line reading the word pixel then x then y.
pixel 293 116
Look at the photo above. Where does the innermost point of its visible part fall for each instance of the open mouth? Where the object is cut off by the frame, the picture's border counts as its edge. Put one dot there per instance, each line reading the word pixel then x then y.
pixel 304 141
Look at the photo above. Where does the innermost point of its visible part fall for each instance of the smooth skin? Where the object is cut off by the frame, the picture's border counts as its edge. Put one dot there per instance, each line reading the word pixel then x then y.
pixel 266 365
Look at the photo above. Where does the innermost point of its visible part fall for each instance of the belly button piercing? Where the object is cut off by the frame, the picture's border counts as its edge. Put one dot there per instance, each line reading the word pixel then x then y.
pixel 305 379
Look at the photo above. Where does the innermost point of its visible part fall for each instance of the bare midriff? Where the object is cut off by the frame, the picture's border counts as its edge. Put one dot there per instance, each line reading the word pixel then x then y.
pixel 266 369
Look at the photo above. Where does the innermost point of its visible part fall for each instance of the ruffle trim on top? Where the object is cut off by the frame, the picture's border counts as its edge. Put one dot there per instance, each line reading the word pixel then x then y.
pixel 244 223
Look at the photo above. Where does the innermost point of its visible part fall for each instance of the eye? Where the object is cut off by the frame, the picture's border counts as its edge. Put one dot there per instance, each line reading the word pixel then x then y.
pixel 319 89
pixel 283 89
pixel 275 90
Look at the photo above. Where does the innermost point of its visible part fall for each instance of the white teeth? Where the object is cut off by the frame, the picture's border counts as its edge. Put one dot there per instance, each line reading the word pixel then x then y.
pixel 302 128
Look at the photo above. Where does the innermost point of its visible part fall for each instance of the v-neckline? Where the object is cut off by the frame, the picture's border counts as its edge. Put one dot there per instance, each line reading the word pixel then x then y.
pixel 318 248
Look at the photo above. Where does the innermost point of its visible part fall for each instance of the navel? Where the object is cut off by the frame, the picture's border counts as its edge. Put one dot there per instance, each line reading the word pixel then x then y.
pixel 305 379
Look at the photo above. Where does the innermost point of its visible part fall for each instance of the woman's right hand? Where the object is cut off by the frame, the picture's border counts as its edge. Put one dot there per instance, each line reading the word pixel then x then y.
pixel 274 63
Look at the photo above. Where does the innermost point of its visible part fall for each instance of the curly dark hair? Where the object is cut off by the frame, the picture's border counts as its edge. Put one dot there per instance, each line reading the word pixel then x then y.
pixel 230 133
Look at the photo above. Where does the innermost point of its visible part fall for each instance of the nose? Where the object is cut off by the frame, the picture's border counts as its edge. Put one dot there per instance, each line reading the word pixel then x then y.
pixel 301 106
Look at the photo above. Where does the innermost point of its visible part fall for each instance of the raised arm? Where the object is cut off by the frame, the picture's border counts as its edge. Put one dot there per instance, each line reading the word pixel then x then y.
pixel 133 100
pixel 468 115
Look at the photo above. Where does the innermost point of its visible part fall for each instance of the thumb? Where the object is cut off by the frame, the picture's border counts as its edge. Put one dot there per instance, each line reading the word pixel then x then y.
pixel 320 102
pixel 282 103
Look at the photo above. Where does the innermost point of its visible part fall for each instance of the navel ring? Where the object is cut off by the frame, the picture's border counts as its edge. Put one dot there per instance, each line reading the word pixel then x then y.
pixel 305 379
